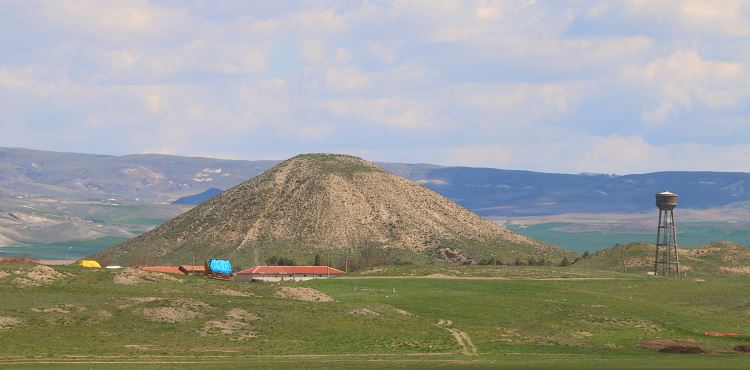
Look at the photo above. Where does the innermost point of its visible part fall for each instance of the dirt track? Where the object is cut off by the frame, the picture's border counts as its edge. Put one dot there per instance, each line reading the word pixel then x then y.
pixel 463 338
pixel 451 277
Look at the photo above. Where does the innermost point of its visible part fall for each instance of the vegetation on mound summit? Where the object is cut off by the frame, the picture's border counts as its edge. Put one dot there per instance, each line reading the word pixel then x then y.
pixel 341 164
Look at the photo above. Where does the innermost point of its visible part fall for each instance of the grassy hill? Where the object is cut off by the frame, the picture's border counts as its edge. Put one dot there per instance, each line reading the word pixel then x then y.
pixel 713 258
pixel 331 204
pixel 129 319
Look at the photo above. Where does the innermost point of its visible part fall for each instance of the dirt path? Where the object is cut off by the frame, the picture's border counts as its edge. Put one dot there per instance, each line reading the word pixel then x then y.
pixel 463 339
pixel 450 277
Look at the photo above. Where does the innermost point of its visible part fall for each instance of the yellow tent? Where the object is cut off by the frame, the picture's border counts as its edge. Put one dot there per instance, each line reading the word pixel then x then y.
pixel 89 263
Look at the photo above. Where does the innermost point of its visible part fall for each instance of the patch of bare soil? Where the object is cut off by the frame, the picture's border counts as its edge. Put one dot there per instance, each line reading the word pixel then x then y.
pixel 373 270
pixel 65 308
pixel 37 276
pixel 240 314
pixel 175 311
pixel 742 348
pixel 50 310
pixel 364 312
pixel 402 312
pixel 103 315
pixel 131 276
pixel 735 270
pixel 233 293
pixel 170 315
pixel 8 322
pixel 302 294
pixel 441 276
pixel 617 322
pixel 191 304
pixel 235 324
pixel 142 347
pixel 132 301
pixel 454 255
pixel 442 322
pixel 208 350
pixel 3 274
pixel 673 346
pixel 699 252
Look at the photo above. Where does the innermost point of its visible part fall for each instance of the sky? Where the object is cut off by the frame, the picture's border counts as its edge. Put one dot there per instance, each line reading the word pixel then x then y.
pixel 555 86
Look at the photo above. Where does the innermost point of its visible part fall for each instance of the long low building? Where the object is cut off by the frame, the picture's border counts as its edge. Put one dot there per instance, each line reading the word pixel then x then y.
pixel 192 270
pixel 164 269
pixel 287 273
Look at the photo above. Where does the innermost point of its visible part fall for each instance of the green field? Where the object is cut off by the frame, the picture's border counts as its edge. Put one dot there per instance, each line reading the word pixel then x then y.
pixel 540 317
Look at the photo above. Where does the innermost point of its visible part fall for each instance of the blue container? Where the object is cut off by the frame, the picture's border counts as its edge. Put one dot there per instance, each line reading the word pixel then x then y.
pixel 220 267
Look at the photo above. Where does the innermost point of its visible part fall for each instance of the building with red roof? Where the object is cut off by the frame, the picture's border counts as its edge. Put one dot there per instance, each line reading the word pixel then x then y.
pixel 287 273
pixel 193 270
pixel 164 269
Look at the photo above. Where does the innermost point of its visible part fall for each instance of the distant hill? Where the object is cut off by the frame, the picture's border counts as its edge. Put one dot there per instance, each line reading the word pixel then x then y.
pixel 333 204
pixel 148 178
pixel 718 257
pixel 485 191
pixel 93 196
pixel 493 192
pixel 198 198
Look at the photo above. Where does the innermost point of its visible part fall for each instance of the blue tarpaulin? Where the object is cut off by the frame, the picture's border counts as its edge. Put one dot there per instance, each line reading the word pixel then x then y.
pixel 220 266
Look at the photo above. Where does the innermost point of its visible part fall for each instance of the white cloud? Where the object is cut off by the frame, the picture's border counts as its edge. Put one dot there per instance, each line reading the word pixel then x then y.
pixel 723 17
pixel 396 113
pixel 346 79
pixel 684 79
pixel 539 85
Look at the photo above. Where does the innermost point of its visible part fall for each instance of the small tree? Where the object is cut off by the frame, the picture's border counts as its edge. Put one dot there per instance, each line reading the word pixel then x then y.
pixel 565 261
pixel 317 260
pixel 586 254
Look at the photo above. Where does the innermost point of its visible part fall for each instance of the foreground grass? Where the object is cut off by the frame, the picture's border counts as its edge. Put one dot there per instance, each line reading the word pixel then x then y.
pixel 515 323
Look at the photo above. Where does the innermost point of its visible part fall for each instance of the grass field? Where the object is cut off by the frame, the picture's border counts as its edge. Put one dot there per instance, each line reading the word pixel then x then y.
pixel 511 317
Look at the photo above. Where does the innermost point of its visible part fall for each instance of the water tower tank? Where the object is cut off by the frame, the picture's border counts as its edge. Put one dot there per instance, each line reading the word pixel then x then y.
pixel 666 200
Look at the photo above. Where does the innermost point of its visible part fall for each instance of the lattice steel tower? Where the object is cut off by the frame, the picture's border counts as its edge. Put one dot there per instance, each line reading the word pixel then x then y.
pixel 666 235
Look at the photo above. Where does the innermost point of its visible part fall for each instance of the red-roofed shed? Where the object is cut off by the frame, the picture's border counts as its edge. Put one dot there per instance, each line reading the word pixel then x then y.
pixel 164 269
pixel 287 273
pixel 193 270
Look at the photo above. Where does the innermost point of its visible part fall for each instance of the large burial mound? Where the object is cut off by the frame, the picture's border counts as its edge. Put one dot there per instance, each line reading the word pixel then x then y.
pixel 332 204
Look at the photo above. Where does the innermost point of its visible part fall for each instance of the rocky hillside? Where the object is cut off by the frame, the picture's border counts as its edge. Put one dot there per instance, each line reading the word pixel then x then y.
pixel 719 257
pixel 332 204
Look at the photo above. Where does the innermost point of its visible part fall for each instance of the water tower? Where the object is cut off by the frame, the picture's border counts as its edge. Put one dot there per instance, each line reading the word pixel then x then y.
pixel 666 235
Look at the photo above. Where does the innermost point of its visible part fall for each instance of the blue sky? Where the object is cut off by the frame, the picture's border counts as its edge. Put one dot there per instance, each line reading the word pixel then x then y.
pixel 578 86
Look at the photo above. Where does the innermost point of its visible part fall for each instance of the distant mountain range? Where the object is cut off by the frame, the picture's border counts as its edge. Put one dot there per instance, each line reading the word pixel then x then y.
pixel 152 178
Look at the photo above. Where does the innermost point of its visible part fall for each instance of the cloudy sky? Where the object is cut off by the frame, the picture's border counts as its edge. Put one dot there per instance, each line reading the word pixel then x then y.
pixel 600 86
